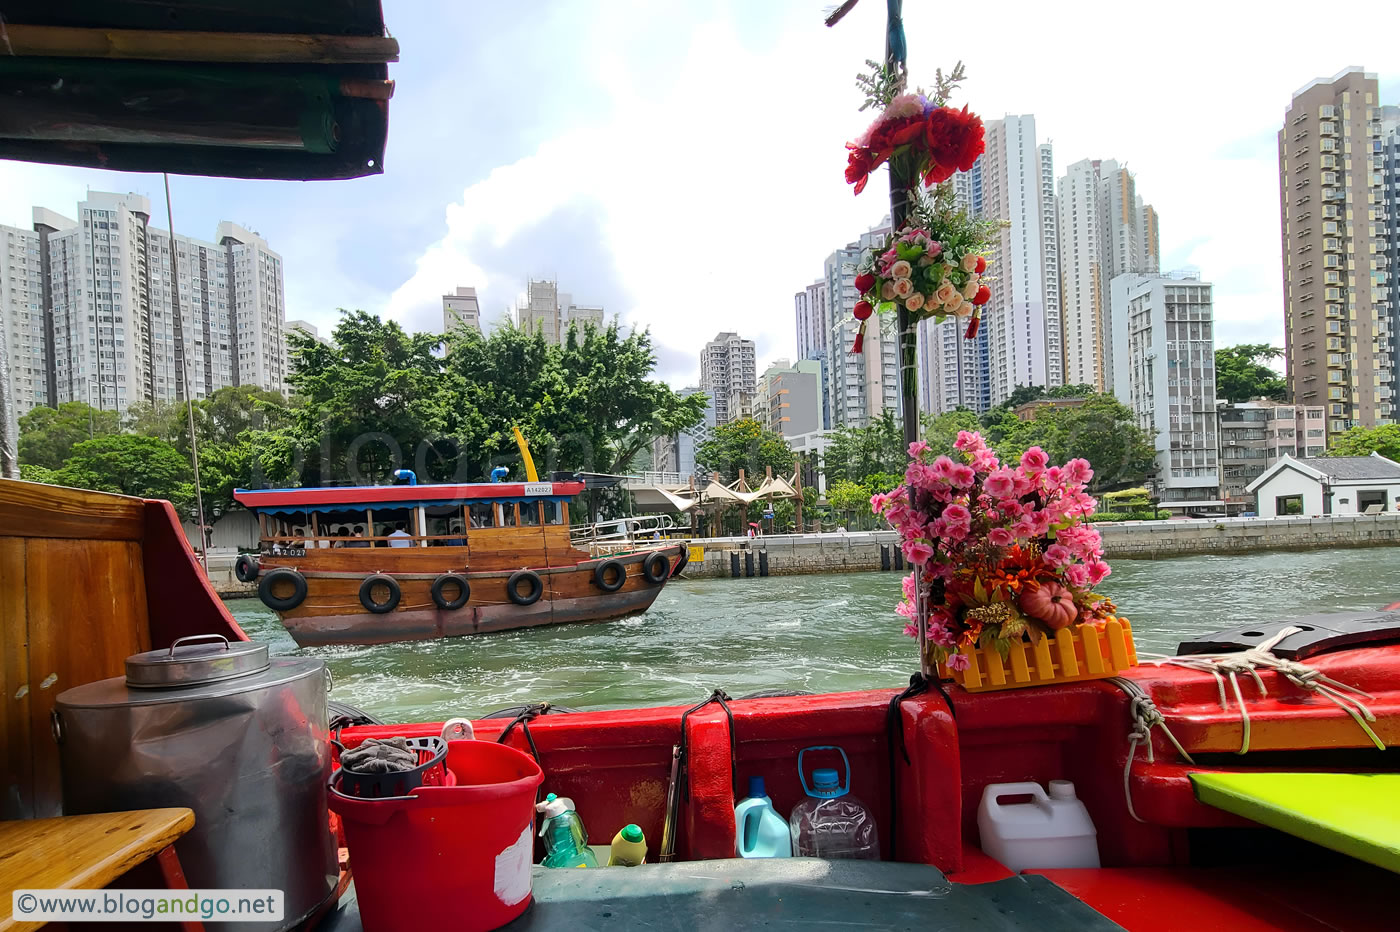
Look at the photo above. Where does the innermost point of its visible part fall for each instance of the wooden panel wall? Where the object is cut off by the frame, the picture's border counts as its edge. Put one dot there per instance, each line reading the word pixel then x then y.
pixel 72 609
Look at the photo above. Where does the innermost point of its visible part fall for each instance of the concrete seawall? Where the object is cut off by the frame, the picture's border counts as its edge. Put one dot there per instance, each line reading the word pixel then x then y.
pixel 862 551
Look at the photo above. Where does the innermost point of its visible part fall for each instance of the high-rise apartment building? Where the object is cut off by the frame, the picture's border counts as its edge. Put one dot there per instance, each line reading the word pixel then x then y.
pixel 813 338
pixel 553 312
pixel 109 320
pixel 1020 339
pixel 728 374
pixel 675 453
pixel 1339 310
pixel 1390 196
pixel 860 386
pixel 1023 317
pixel 1105 230
pixel 790 397
pixel 1256 434
pixel 1164 371
pixel 461 308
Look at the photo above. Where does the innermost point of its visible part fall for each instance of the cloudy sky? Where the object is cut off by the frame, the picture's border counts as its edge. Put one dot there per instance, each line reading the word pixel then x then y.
pixel 681 163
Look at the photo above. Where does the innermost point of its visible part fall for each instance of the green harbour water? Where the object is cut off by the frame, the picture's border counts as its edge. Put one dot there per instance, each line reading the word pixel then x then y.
pixel 824 633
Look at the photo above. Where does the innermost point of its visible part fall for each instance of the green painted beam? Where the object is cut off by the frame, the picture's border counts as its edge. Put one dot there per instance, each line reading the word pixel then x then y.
pixel 1357 814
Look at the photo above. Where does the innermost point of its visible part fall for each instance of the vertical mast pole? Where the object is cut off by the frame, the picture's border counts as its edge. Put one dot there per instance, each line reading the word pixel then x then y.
pixel 185 377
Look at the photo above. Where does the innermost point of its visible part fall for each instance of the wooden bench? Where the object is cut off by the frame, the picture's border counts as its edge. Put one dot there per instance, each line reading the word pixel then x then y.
pixel 86 852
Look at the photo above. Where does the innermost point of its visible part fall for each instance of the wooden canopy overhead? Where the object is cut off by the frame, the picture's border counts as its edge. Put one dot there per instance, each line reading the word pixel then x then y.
pixel 284 89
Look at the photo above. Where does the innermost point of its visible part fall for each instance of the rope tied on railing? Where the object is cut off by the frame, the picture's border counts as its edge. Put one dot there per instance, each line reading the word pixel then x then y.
pixel 1145 716
pixel 1299 674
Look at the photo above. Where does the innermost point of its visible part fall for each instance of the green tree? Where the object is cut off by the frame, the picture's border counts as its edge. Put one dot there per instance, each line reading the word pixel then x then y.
pixel 1102 431
pixel 1242 372
pixel 748 445
pixel 370 400
pixel 850 499
pixel 31 473
pixel 941 431
pixel 1363 441
pixel 130 465
pixel 47 435
pixel 859 453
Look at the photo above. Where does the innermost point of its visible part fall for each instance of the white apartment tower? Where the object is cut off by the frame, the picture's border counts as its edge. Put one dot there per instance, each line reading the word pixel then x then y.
pixel 461 308
pixel 859 386
pixel 1020 339
pixel 813 337
pixel 109 330
pixel 1105 230
pixel 729 375
pixel 1025 295
pixel 1164 370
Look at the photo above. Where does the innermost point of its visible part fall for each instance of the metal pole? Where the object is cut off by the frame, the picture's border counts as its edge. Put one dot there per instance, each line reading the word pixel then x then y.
pixel 90 433
pixel 185 376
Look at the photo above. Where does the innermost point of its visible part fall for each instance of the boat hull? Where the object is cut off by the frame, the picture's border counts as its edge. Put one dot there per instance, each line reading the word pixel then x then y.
pixel 332 612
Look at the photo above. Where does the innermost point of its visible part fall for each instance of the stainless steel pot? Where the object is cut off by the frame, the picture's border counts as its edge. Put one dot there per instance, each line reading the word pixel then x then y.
pixel 237 737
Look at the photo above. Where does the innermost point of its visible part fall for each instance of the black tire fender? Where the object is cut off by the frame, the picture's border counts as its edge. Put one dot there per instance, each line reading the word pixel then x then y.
pixel 367 594
pixel 656 568
pixel 279 603
pixel 246 568
pixel 600 575
pixel 513 587
pixel 445 580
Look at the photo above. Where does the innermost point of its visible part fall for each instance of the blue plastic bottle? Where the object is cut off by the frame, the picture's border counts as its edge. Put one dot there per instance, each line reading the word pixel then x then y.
pixel 759 831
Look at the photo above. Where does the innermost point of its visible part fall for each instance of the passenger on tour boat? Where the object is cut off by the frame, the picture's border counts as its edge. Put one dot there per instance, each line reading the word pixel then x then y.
pixel 399 537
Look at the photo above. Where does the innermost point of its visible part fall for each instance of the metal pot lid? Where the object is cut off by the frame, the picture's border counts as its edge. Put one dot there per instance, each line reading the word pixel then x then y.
pixel 186 663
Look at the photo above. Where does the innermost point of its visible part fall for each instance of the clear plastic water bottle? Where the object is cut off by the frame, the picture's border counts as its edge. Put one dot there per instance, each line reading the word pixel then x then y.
pixel 565 839
pixel 830 822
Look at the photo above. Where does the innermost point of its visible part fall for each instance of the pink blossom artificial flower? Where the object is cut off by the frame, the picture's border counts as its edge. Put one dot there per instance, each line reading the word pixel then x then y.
pixel 1001 537
pixel 943 467
pixel 1000 483
pixel 1024 527
pixel 939 633
pixel 1034 460
pixel 1098 572
pixel 905 105
pixel 1053 476
pixel 1057 555
pixel 963 476
pixel 906 610
pixel 909 585
pixel 957 514
pixel 959 661
pixel 911 630
pixel 1077 575
pixel 917 449
pixel 1079 471
pixel 969 441
pixel 878 501
pixel 985 460
pixel 917 551
pixel 935 248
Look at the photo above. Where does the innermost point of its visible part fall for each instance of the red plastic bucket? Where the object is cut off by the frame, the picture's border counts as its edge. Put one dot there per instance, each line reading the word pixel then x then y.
pixel 447 857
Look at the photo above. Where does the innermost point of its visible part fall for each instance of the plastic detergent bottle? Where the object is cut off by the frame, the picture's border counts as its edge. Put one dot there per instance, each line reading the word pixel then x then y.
pixel 629 847
pixel 1052 830
pixel 565 840
pixel 759 831
pixel 830 822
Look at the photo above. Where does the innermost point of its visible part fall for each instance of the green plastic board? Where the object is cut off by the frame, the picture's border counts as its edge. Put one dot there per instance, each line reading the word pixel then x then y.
pixel 1355 813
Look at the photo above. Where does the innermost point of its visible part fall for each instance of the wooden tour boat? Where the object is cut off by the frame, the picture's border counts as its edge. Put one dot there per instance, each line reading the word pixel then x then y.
pixel 373 564
pixel 88 579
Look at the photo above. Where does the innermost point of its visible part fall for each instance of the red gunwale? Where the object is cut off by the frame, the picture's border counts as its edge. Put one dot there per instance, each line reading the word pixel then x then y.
pixel 382 494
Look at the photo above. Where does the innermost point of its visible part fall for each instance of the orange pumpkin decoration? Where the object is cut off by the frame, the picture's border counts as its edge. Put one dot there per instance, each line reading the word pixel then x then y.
pixel 1050 603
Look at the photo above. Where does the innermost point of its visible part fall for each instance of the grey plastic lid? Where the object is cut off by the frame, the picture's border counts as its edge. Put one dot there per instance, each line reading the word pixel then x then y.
pixel 194 660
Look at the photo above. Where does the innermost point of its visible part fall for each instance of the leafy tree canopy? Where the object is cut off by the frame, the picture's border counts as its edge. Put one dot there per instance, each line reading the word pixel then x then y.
pixel 1363 441
pixel 848 497
pixel 146 467
pixel 859 453
pixel 47 435
pixel 745 444
pixel 1242 372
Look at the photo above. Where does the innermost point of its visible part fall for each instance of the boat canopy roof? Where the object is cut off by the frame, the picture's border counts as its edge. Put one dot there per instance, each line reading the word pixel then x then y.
pixel 342 498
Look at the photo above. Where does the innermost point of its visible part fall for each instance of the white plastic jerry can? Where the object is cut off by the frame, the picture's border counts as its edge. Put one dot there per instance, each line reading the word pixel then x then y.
pixel 1052 830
